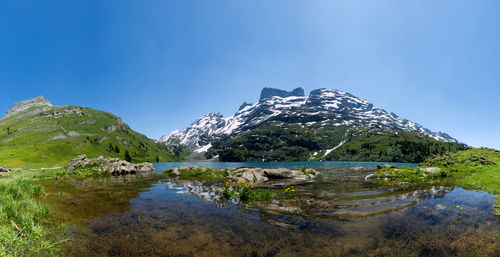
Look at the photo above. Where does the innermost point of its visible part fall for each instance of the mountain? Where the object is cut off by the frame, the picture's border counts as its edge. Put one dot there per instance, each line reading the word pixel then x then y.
pixel 337 117
pixel 34 133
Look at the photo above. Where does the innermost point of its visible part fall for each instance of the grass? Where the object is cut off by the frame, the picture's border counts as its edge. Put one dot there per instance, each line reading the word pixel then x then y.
pixel 89 172
pixel 412 175
pixel 245 191
pixel 20 203
pixel 477 168
pixel 48 140
pixel 201 174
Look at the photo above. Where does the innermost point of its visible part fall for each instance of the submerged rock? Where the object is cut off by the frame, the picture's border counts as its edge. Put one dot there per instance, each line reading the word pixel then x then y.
pixel 114 166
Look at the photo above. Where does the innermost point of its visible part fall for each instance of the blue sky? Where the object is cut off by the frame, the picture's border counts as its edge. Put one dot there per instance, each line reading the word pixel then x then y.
pixel 162 64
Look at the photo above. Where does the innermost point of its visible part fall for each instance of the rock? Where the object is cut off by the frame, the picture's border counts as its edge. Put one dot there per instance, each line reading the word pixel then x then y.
pixel 248 175
pixel 114 166
pixel 385 166
pixel 270 92
pixel 176 172
pixel 282 173
pixel 80 161
pixel 192 167
pixel 146 167
pixel 251 174
pixel 302 177
pixel 431 169
pixel 257 175
pixel 39 102
pixel 358 168
pixel 370 176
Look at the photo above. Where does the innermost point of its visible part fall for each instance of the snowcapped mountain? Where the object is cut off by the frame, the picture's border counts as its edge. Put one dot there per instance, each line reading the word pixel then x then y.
pixel 327 107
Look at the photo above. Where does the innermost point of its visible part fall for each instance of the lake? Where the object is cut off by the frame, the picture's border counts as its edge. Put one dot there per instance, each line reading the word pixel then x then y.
pixel 339 214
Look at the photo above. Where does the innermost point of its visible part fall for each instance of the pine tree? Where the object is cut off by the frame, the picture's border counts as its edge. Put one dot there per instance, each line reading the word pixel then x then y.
pixel 127 156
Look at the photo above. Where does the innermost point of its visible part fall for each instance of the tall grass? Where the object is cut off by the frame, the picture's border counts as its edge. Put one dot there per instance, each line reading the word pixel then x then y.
pixel 19 204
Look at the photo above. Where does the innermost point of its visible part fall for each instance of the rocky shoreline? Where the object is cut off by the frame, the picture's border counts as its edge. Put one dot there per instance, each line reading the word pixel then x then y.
pixel 114 166
pixel 258 176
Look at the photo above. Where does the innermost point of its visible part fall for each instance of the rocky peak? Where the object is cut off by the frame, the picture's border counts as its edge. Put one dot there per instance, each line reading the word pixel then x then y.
pixel 323 107
pixel 245 104
pixel 39 101
pixel 335 99
pixel 214 115
pixel 268 92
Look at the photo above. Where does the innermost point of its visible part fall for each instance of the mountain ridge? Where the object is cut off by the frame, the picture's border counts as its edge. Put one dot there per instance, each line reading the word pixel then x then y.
pixel 328 107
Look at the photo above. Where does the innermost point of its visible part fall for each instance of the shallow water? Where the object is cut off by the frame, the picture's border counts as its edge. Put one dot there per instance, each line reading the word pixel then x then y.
pixel 338 215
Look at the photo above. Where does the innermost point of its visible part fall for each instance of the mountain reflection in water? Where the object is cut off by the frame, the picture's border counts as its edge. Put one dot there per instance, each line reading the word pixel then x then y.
pixel 338 215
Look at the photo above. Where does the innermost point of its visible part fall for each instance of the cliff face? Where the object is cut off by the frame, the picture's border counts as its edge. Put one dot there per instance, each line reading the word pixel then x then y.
pixel 268 92
pixel 22 106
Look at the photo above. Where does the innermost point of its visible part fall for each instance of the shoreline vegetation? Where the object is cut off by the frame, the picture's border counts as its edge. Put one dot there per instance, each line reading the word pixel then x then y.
pixel 247 183
pixel 474 168
pixel 28 228
pixel 26 225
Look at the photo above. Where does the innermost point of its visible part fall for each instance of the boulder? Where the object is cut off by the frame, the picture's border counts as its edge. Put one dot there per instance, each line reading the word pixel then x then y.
pixel 254 175
pixel 114 166
pixel 191 167
pixel 146 167
pixel 80 161
pixel 282 173
pixel 370 176
pixel 431 169
pixel 257 175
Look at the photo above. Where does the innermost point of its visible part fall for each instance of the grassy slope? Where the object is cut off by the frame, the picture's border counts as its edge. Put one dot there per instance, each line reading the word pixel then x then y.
pixel 291 143
pixel 296 143
pixel 32 141
pixel 389 146
pixel 478 168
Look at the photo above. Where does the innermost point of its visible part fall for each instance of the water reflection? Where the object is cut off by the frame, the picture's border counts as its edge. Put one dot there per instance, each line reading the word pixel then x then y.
pixel 318 201
pixel 338 215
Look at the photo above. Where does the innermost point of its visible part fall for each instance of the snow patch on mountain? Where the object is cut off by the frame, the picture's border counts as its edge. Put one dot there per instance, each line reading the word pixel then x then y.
pixel 281 108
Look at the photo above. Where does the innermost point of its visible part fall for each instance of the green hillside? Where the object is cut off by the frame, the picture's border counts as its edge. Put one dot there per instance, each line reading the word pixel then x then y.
pixel 390 146
pixel 297 143
pixel 37 134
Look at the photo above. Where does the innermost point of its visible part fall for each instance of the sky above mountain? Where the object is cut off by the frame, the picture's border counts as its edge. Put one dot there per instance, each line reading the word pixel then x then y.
pixel 162 64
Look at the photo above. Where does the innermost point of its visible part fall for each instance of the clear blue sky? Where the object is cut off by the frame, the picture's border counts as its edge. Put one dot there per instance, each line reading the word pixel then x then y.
pixel 162 64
